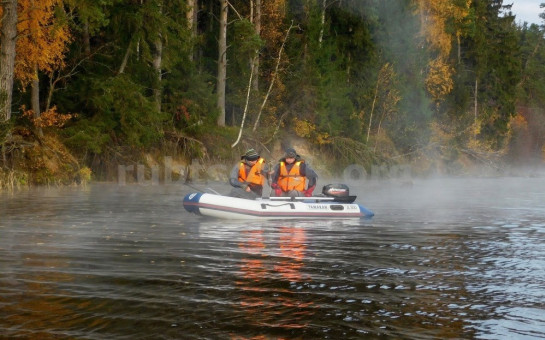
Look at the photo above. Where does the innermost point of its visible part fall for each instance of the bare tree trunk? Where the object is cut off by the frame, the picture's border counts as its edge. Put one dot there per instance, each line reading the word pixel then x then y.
pixel 86 37
pixel 8 36
pixel 458 42
pixel 252 11
pixel 222 62
pixel 322 27
pixel 35 98
pixel 35 93
pixel 373 108
pixel 348 68
pixel 125 59
pixel 191 17
pixel 530 58
pixel 157 63
pixel 255 61
pixel 476 102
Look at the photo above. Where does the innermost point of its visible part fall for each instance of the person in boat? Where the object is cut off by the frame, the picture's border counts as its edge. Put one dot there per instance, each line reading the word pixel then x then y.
pixel 293 177
pixel 249 176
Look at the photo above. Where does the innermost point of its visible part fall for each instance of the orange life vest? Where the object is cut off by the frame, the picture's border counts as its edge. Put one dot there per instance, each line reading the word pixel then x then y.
pixel 292 180
pixel 254 176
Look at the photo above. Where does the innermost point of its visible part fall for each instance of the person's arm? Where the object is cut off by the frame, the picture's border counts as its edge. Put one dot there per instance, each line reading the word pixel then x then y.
pixel 312 177
pixel 233 177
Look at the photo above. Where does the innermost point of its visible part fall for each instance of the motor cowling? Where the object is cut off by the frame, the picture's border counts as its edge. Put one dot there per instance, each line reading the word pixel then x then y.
pixel 336 190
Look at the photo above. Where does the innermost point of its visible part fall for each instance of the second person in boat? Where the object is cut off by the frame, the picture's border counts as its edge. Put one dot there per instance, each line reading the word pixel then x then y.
pixel 293 177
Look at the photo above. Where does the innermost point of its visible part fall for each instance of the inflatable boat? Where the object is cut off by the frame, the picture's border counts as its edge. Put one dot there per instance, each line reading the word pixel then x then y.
pixel 335 203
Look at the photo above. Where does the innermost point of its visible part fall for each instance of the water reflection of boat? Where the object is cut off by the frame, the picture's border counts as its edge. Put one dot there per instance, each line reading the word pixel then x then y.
pixel 219 206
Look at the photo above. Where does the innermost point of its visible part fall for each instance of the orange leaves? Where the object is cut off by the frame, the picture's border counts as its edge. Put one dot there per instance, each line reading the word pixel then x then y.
pixel 48 118
pixel 41 40
pixel 439 82
pixel 182 110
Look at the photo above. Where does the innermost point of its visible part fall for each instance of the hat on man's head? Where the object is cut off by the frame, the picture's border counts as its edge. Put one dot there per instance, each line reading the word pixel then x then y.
pixel 251 155
pixel 290 153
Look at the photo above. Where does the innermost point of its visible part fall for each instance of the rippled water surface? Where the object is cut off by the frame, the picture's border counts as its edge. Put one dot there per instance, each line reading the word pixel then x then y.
pixel 450 258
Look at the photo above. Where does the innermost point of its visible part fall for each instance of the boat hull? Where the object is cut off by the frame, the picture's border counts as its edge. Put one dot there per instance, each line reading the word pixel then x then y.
pixel 224 207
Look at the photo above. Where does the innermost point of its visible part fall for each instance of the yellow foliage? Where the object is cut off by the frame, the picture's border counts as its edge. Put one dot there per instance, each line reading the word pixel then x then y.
pixel 307 129
pixel 303 128
pixel 323 138
pixel 41 42
pixel 482 146
pixel 518 123
pixel 439 81
pixel 434 15
pixel 84 175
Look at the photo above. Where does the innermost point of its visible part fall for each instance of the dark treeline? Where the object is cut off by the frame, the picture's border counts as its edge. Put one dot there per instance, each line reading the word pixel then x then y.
pixel 435 84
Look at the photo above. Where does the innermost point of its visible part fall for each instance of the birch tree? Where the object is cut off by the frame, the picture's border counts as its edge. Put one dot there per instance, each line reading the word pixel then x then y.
pixel 157 62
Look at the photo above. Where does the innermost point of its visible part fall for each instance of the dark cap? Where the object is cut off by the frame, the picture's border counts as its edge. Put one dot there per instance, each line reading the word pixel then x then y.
pixel 290 153
pixel 251 155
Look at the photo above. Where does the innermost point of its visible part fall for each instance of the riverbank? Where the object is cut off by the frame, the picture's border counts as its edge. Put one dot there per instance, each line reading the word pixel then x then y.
pixel 31 160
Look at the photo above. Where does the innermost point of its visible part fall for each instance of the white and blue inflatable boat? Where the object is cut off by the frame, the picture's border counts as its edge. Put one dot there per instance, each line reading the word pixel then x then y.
pixel 336 203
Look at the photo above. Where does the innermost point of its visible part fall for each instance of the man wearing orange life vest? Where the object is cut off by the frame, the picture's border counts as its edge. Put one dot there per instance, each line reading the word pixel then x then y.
pixel 248 176
pixel 293 177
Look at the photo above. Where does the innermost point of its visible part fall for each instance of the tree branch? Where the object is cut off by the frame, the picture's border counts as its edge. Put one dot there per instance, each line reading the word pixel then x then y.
pixel 246 106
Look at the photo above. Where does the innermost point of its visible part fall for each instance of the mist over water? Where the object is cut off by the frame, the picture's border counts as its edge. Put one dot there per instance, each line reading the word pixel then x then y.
pixel 442 258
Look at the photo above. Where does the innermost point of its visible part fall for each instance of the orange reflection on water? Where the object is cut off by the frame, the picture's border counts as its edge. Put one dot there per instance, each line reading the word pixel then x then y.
pixel 265 299
pixel 254 244
pixel 292 247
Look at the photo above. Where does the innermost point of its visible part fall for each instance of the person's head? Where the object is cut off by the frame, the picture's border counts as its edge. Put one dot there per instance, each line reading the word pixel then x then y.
pixel 290 155
pixel 251 156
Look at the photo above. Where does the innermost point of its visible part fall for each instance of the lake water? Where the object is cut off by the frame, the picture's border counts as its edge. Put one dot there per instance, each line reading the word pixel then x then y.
pixel 441 259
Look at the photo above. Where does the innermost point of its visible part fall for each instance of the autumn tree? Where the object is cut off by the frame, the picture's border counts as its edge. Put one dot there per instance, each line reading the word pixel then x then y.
pixel 41 45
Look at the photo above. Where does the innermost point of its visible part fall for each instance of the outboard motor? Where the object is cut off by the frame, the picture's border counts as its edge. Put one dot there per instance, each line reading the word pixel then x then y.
pixel 336 190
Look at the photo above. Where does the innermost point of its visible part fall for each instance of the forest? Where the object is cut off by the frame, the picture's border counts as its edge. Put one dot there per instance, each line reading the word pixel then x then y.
pixel 443 87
